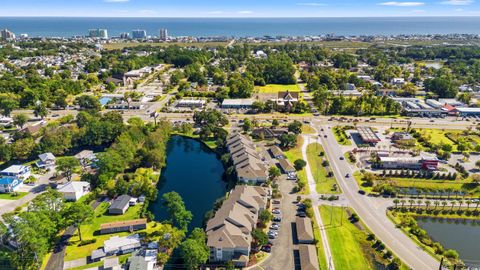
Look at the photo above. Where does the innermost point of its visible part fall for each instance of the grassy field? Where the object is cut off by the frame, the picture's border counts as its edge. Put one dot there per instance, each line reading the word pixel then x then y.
pixel 307 129
pixel 10 196
pixel 294 154
pixel 322 260
pixel 123 45
pixel 324 184
pixel 341 136
pixel 74 252
pixel 346 240
pixel 275 88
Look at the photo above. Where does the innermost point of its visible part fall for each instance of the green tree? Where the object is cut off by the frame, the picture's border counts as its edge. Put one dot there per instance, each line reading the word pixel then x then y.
pixel 295 127
pixel 260 237
pixel 67 165
pixel 176 209
pixel 88 102
pixel 299 164
pixel 247 125
pixel 77 214
pixel 194 250
pixel 273 172
pixel 40 110
pixel 265 216
pixel 20 120
pixel 8 102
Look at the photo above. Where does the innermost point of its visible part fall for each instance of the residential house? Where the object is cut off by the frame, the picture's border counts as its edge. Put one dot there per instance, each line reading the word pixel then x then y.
pixel 121 245
pixel 287 169
pixel 123 226
pixel 249 166
pixel 19 171
pixel 304 230
pixel 9 184
pixel 229 231
pixel 143 260
pixel 120 205
pixel 308 257
pixel 268 133
pixel 86 157
pixel 74 190
pixel 47 161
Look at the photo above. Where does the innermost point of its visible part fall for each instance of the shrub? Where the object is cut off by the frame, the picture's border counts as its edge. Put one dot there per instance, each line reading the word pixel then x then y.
pixel 451 254
pixel 299 164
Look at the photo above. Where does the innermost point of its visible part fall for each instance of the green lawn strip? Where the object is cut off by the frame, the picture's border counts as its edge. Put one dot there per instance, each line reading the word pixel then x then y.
pixel 307 129
pixel 324 184
pixel 275 88
pixel 358 177
pixel 340 135
pixel 322 259
pixel 294 154
pixel 74 252
pixel 12 196
pixel 344 239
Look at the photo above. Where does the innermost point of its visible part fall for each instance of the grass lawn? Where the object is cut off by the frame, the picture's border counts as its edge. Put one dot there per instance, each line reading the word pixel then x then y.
pixel 437 136
pixel 294 154
pixel 346 240
pixel 322 260
pixel 324 184
pixel 275 88
pixel 74 252
pixel 10 196
pixel 341 136
pixel 307 129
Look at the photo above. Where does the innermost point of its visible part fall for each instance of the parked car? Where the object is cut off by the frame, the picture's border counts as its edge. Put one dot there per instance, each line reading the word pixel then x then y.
pixel 276 211
pixel 302 214
pixel 277 219
pixel 276 202
pixel 274 227
pixel 342 158
pixel 267 249
pixel 362 192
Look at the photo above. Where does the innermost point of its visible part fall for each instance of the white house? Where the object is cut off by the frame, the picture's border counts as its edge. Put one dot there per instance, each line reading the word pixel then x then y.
pixel 9 184
pixel 47 161
pixel 122 245
pixel 74 190
pixel 18 171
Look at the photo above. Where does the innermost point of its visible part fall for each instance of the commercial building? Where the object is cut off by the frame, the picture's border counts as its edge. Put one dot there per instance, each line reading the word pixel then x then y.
pixel 423 162
pixel 6 34
pixel 249 166
pixel 304 230
pixel 123 226
pixel 466 111
pixel 229 232
pixel 120 205
pixel 74 190
pixel 191 103
pixel 286 100
pixel 401 136
pixel 139 34
pixel 367 135
pixel 237 103
pixel 98 33
pixel 308 257
pixel 163 34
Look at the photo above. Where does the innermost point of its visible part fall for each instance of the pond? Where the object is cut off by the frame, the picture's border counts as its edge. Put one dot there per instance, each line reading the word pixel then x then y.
pixel 195 172
pixel 462 236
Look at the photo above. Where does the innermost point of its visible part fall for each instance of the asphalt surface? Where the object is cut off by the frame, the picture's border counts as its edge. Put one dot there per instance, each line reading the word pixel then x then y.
pixel 371 212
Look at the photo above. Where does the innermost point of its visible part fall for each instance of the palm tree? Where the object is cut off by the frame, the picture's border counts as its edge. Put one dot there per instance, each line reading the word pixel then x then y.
pixel 396 201
pixel 449 190
pixel 427 203
pixel 411 203
pixel 460 204
pixel 452 203
pixel 444 203
pixel 403 202
pixel 436 203
pixel 468 202
pixel 476 204
pixel 419 202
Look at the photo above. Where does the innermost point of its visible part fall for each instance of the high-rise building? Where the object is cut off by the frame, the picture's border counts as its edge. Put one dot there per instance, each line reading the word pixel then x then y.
pixel 139 34
pixel 163 34
pixel 98 33
pixel 5 34
pixel 125 35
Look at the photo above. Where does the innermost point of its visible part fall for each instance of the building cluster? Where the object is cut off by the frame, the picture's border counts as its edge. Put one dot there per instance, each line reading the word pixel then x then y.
pixel 436 108
pixel 229 232
pixel 249 166
pixel 422 162
pixel 5 34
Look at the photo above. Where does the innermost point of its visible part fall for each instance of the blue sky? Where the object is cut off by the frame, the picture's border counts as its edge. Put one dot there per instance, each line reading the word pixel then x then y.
pixel 239 8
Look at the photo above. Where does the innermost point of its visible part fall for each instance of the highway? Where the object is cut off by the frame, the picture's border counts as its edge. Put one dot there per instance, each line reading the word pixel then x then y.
pixel 370 211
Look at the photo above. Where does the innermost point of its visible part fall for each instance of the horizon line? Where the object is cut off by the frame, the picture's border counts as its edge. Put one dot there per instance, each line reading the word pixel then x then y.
pixel 243 17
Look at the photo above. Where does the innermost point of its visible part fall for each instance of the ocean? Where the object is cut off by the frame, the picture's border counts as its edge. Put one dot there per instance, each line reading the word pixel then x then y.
pixel 242 27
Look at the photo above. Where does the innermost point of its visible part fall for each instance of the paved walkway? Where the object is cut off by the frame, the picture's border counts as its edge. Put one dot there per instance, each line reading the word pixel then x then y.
pixel 316 211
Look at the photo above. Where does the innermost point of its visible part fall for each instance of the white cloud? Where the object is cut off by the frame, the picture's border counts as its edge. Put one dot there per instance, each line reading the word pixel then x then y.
pixel 402 4
pixel 116 1
pixel 457 2
pixel 215 12
pixel 243 12
pixel 312 4
pixel 458 9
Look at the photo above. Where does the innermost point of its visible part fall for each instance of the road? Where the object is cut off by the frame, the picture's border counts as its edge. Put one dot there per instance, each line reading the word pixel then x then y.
pixel 313 192
pixel 371 211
